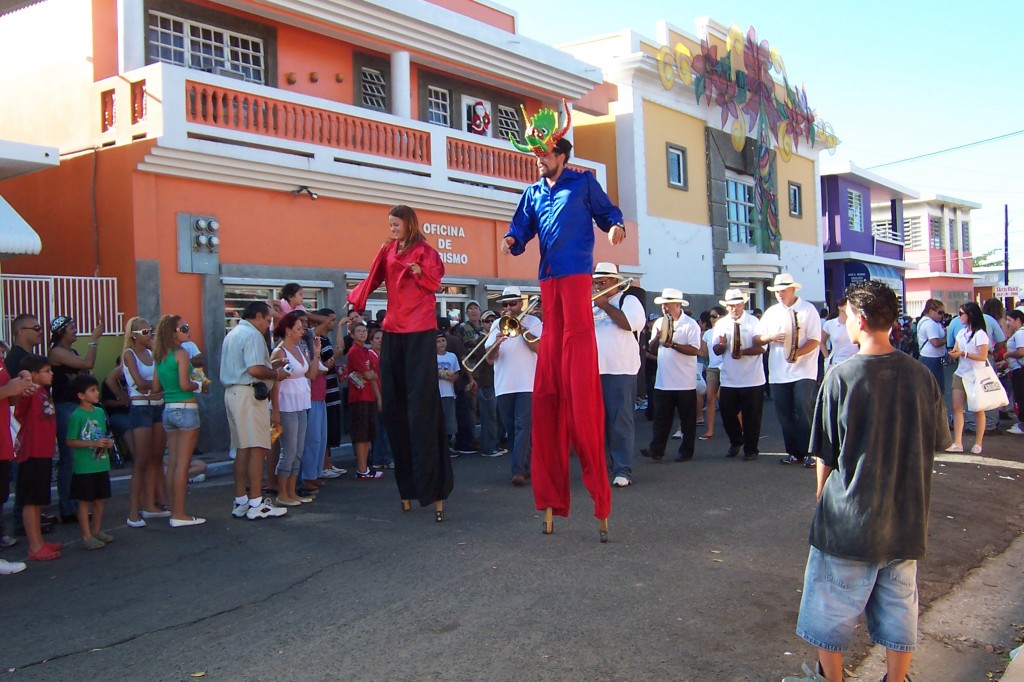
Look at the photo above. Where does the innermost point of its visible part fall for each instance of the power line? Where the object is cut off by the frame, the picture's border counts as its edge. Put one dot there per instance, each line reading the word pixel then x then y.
pixel 951 149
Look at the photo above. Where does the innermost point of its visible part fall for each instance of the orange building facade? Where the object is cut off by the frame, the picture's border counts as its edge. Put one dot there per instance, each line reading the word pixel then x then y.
pixel 213 151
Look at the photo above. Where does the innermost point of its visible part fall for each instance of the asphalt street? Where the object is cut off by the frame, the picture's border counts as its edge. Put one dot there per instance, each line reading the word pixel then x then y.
pixel 701 579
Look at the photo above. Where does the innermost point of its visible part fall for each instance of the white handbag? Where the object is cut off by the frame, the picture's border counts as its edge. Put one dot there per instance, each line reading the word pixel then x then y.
pixel 984 391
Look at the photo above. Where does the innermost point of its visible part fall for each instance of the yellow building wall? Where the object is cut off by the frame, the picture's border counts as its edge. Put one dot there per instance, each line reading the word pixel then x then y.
pixel 661 127
pixel 803 229
pixel 594 139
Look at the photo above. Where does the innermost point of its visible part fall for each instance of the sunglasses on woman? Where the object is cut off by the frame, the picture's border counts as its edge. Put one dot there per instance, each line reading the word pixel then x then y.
pixel 183 329
pixel 144 332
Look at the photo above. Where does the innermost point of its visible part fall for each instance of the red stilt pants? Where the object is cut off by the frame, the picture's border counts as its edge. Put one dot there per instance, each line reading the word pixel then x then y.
pixel 567 404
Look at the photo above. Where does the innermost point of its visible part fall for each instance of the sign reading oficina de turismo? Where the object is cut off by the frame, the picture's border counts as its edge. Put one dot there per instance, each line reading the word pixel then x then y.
pixel 446 242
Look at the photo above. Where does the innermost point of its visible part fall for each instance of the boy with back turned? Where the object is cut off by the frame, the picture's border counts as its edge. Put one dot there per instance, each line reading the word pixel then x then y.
pixel 878 422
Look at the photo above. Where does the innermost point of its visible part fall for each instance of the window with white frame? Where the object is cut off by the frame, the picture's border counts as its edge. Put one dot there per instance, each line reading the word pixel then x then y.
pixel 739 209
pixel 677 176
pixel 796 200
pixel 935 232
pixel 374 89
pixel 439 106
pixel 508 122
pixel 854 211
pixel 965 235
pixel 238 296
pixel 203 47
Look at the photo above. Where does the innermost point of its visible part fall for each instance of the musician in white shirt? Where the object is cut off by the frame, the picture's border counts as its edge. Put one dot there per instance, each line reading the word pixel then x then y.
pixel 515 364
pixel 791 330
pixel 836 346
pixel 675 385
pixel 618 318
pixel 741 375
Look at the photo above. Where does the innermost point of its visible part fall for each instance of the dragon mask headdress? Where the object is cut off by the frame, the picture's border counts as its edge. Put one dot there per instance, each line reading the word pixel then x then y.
pixel 542 133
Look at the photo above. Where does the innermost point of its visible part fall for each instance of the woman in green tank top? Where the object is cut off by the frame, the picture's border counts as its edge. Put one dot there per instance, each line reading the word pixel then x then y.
pixel 174 376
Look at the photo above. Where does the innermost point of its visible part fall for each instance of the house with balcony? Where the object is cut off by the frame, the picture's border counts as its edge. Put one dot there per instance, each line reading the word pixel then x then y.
pixel 711 146
pixel 858 211
pixel 937 236
pixel 214 150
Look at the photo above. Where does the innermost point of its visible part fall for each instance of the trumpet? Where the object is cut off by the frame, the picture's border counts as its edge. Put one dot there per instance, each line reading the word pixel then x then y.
pixel 508 326
pixel 624 284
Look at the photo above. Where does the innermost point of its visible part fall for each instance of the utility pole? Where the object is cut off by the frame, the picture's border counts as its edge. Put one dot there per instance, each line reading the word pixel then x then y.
pixel 1008 301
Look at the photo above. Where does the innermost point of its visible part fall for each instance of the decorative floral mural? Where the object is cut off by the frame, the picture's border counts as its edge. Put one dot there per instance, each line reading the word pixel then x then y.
pixel 741 85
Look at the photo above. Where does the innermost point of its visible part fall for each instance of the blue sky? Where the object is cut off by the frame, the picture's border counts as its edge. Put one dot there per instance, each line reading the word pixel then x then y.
pixel 895 79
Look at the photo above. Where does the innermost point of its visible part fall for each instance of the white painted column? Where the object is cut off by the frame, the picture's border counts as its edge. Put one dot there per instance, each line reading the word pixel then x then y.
pixel 131 35
pixel 401 88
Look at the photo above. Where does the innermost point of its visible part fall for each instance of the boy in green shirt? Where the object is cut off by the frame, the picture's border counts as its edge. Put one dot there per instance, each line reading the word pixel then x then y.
pixel 89 441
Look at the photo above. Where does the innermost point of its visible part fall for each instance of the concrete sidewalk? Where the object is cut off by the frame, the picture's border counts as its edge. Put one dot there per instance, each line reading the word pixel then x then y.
pixel 967 634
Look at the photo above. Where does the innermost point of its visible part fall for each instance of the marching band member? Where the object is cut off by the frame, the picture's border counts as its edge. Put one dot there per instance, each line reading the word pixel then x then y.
pixel 791 329
pixel 742 375
pixel 515 364
pixel 675 386
pixel 618 318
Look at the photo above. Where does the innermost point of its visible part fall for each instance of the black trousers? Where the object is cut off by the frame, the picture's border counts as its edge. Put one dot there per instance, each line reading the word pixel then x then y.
pixel 748 401
pixel 413 416
pixel 667 405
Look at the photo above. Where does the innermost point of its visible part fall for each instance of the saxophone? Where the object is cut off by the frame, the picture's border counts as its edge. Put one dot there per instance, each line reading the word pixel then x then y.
pixel 794 342
pixel 737 341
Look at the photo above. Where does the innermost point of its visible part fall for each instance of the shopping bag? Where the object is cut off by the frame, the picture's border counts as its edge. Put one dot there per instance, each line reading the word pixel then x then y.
pixel 984 391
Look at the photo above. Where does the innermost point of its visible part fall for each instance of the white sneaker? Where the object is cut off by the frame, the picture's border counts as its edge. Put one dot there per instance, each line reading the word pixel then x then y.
pixel 1016 430
pixel 10 567
pixel 621 482
pixel 496 453
pixel 199 478
pixel 976 449
pixel 955 448
pixel 329 473
pixel 265 510
pixel 339 470
pixel 240 510
pixel 678 434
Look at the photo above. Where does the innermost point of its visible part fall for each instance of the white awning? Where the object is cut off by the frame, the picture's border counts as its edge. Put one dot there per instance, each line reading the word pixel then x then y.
pixel 17 238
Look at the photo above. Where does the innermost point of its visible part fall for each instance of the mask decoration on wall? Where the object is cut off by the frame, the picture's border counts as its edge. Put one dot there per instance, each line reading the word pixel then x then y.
pixel 542 131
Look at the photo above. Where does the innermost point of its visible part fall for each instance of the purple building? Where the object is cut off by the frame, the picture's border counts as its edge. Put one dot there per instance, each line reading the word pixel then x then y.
pixel 855 248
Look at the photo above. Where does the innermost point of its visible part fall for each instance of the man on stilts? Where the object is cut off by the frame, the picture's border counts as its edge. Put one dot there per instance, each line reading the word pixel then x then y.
pixel 560 210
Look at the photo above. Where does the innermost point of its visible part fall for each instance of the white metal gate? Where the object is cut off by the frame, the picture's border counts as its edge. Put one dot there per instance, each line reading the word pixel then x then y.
pixel 89 300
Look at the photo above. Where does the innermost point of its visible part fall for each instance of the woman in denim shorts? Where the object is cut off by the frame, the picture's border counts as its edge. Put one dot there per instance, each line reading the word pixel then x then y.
pixel 181 411
pixel 146 434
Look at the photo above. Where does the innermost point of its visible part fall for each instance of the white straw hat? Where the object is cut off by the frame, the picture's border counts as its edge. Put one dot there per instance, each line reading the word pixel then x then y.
pixel 671 296
pixel 734 296
pixel 784 281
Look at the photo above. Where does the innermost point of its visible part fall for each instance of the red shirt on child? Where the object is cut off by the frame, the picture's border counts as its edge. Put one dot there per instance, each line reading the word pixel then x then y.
pixel 361 359
pixel 38 417
pixel 6 442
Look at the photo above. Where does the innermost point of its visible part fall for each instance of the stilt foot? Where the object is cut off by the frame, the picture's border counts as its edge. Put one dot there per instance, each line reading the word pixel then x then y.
pixel 549 523
pixel 406 505
pixel 603 530
pixel 439 511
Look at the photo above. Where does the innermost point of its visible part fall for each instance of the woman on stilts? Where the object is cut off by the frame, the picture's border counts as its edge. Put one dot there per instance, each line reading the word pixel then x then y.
pixel 412 271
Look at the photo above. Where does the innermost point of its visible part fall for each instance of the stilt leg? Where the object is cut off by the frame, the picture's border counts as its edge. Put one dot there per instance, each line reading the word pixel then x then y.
pixel 439 511
pixel 549 523
pixel 603 529
pixel 406 505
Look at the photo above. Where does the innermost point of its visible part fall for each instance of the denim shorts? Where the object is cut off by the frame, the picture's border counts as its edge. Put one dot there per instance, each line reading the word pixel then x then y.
pixel 144 416
pixel 837 591
pixel 180 419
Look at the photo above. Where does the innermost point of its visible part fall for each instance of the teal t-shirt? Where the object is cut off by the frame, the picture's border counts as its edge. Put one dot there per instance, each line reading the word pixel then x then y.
pixel 88 425
pixel 167 369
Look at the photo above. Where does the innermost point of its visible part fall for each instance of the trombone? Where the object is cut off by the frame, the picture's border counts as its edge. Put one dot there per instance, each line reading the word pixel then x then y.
pixel 624 284
pixel 508 326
